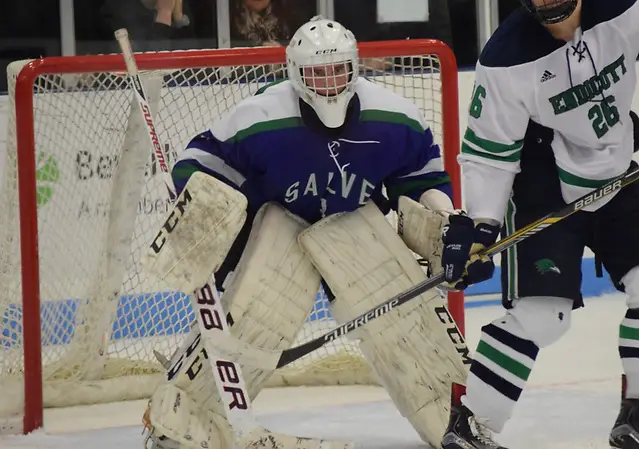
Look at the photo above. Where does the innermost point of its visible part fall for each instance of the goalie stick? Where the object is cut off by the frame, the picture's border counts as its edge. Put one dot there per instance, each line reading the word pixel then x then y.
pixel 239 351
pixel 248 433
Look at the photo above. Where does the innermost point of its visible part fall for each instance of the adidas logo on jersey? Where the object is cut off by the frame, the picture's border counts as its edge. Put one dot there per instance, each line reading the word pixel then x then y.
pixel 548 75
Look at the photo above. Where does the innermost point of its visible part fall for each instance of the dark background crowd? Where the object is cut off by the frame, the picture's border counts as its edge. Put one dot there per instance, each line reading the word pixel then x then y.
pixel 36 28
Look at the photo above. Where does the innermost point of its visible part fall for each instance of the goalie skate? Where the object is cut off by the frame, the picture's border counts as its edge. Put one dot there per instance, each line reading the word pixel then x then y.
pixel 625 432
pixel 464 430
pixel 154 439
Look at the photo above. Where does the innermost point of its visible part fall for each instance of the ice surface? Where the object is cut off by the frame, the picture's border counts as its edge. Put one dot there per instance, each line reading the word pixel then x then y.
pixel 571 401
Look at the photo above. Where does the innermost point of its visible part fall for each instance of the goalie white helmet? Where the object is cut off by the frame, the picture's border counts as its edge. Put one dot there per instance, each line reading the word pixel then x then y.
pixel 322 64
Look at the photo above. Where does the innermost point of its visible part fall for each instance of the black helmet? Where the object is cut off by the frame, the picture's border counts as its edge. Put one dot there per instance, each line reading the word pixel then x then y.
pixel 552 11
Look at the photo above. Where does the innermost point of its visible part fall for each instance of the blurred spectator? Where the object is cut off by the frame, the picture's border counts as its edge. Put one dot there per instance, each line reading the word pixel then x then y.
pixel 152 24
pixel 268 22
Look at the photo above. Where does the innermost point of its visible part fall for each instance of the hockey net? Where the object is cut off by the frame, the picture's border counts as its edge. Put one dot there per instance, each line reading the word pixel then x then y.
pixel 79 320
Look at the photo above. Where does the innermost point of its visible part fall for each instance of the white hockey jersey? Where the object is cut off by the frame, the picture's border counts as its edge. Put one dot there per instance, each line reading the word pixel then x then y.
pixel 582 90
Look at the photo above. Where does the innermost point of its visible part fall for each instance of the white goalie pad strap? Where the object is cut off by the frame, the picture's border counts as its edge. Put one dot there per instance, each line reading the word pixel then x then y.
pixel 198 233
pixel 415 349
pixel 270 294
pixel 421 230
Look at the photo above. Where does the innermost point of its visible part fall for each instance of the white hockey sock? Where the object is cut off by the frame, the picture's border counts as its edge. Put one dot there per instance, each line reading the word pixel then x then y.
pixel 501 365
pixel 629 351
pixel 629 334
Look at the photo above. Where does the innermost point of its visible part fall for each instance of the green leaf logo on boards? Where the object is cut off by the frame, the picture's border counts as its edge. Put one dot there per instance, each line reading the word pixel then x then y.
pixel 47 175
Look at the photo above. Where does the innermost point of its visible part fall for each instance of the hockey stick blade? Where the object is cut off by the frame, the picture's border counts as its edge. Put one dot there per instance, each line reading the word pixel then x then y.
pixel 240 352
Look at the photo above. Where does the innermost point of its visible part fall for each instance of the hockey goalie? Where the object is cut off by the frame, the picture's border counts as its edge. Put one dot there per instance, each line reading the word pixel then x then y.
pixel 287 192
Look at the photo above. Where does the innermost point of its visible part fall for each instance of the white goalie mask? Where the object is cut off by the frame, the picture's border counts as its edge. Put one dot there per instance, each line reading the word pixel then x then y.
pixel 322 64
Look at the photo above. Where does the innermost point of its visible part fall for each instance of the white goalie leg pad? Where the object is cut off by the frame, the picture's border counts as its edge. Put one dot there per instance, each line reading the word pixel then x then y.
pixel 178 409
pixel 197 235
pixel 421 228
pixel 270 294
pixel 274 287
pixel 415 349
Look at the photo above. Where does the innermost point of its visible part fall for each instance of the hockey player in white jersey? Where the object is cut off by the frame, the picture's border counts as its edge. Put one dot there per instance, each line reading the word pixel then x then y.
pixel 548 122
pixel 306 161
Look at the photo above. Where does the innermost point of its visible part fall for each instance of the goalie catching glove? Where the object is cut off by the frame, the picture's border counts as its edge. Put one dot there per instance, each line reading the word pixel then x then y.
pixel 463 240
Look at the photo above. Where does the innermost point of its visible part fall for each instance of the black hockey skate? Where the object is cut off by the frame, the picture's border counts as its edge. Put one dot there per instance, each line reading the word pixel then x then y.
pixel 160 442
pixel 625 432
pixel 464 431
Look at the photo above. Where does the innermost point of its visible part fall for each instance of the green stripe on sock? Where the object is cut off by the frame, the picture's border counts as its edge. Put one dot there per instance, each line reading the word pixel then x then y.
pixel 629 333
pixel 509 364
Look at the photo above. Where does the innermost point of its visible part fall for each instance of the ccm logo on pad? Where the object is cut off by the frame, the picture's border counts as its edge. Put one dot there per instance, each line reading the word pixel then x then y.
pixel 171 222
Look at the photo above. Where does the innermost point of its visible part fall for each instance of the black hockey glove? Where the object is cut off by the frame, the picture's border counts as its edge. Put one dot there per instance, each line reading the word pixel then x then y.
pixel 462 241
pixel 635 129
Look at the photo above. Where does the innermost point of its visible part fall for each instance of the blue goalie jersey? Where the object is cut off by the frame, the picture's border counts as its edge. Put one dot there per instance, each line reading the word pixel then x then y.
pixel 273 148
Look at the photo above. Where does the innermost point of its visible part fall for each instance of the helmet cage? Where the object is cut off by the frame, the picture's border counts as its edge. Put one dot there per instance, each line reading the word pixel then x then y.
pixel 328 78
pixel 552 11
pixel 326 82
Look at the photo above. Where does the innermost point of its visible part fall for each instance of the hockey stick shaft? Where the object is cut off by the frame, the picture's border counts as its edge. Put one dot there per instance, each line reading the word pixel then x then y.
pixel 205 301
pixel 231 387
pixel 251 355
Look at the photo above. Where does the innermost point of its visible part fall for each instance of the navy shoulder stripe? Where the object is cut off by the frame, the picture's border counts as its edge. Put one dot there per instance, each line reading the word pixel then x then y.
pixel 594 12
pixel 518 40
pixel 521 38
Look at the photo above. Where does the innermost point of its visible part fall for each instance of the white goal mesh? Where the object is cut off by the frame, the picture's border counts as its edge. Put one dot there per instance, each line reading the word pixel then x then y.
pixel 87 179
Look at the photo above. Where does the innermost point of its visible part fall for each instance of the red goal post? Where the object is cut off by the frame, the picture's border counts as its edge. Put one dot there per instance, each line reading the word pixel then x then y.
pixel 62 110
